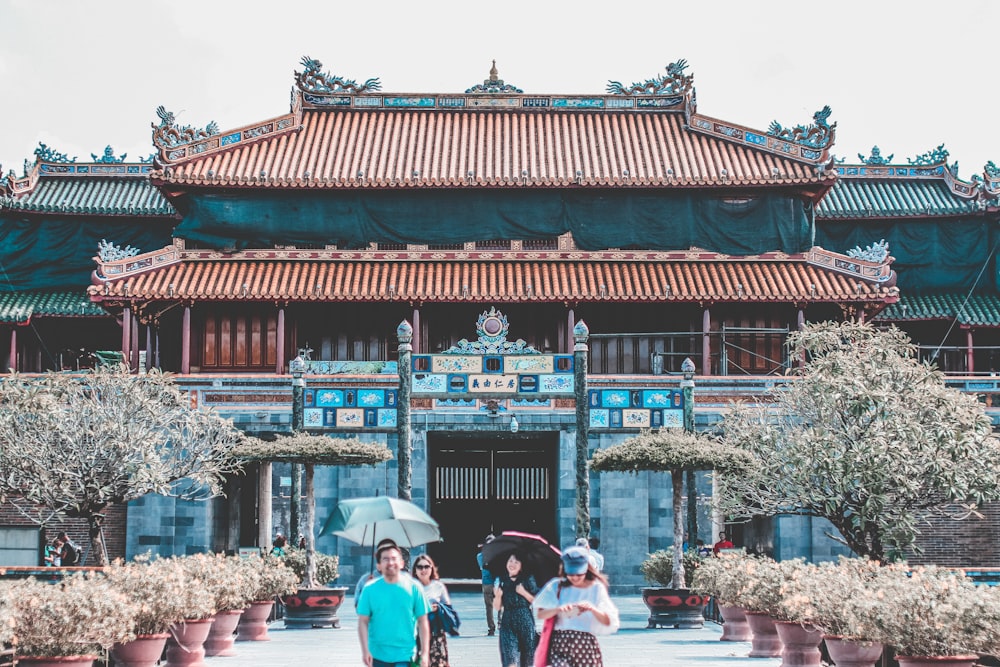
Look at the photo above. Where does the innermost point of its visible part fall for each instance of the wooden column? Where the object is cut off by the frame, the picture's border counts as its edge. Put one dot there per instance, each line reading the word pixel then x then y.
pixel 13 350
pixel 134 362
pixel 186 347
pixel 706 342
pixel 570 323
pixel 404 334
pixel 802 325
pixel 416 331
pixel 969 352
pixel 127 335
pixel 280 356
pixel 149 347
pixel 264 509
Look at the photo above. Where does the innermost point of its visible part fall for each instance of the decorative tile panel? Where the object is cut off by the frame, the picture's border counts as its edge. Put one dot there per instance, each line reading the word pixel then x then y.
pixel 529 364
pixel 430 384
pixel 600 419
pixel 350 418
pixel 456 364
pixel 673 419
pixel 556 384
pixel 503 384
pixel 636 418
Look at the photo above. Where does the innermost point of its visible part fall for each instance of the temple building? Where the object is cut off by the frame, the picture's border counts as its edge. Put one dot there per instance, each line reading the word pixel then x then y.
pixel 490 282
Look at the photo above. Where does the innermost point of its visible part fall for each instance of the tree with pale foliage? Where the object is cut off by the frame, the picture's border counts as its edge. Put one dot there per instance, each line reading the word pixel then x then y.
pixel 867 437
pixel 73 444
pixel 674 451
pixel 312 450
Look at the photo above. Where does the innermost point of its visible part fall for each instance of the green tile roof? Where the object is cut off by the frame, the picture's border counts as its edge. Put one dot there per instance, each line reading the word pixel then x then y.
pixel 979 310
pixel 92 196
pixel 891 198
pixel 20 307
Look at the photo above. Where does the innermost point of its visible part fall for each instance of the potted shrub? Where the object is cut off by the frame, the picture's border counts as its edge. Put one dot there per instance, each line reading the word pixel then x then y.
pixel 186 645
pixel 316 606
pixel 161 592
pixel 757 591
pixel 67 623
pixel 716 577
pixel 668 606
pixel 930 615
pixel 833 597
pixel 229 582
pixel 271 578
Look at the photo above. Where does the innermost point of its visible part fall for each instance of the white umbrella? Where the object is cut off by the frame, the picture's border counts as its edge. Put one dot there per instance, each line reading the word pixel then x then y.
pixel 367 521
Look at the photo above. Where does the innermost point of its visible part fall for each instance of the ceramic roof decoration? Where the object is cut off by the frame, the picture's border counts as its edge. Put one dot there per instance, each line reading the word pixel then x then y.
pixel 926 186
pixel 493 84
pixel 108 186
pixel 169 134
pixel 340 134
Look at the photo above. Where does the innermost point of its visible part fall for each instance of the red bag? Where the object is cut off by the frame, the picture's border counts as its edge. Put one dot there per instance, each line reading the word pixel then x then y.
pixel 542 650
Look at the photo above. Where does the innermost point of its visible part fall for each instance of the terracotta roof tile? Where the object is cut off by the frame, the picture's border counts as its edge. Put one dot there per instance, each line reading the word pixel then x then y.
pixel 490 148
pixel 718 280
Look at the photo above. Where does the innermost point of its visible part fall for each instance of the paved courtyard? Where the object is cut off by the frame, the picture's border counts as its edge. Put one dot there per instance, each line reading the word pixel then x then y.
pixel 632 646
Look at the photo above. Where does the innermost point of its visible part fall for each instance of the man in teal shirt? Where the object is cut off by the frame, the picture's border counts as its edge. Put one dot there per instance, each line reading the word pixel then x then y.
pixel 391 612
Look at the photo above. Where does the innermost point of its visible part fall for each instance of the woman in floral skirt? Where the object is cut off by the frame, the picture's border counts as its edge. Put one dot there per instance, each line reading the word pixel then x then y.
pixel 580 602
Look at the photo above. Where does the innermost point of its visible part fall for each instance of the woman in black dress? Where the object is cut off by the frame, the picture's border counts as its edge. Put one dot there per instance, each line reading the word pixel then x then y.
pixel 517 624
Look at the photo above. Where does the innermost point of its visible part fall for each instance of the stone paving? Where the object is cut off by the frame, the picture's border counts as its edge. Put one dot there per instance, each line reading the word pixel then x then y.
pixel 632 646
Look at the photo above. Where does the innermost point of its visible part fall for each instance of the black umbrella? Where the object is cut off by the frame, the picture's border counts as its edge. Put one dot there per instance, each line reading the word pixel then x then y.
pixel 537 556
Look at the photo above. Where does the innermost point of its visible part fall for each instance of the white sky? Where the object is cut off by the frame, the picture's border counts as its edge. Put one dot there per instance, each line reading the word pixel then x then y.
pixel 907 76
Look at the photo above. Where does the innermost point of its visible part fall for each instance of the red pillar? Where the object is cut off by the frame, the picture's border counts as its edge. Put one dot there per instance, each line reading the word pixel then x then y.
pixel 13 349
pixel 186 341
pixel 706 342
pixel 279 365
pixel 127 335
pixel 969 353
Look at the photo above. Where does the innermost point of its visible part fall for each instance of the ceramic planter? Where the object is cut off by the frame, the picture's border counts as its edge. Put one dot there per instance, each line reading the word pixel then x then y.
pixel 253 622
pixel 734 625
pixel 674 607
pixel 143 651
pixel 851 653
pixel 765 642
pixel 222 634
pixel 313 607
pixel 937 660
pixel 63 661
pixel 186 646
pixel 799 644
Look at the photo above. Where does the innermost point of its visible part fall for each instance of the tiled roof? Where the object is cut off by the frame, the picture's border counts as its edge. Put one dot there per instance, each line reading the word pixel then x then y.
pixel 890 198
pixel 978 310
pixel 20 307
pixel 702 281
pixel 91 195
pixel 414 148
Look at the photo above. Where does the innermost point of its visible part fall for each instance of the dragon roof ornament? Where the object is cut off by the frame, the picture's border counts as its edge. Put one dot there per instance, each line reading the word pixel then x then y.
pixel 674 82
pixel 168 134
pixel 991 169
pixel 109 252
pixel 108 157
pixel 936 156
pixel 492 85
pixel 876 252
pixel 46 154
pixel 817 134
pixel 876 157
pixel 313 80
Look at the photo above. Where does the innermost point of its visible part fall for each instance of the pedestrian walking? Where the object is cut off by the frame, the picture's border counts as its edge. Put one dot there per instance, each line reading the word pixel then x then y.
pixel 582 607
pixel 437 597
pixel 517 624
pixel 488 580
pixel 392 612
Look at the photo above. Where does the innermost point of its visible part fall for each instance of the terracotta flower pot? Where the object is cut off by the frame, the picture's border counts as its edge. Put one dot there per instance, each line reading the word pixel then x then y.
pixel 799 644
pixel 674 607
pixel 936 660
pixel 61 661
pixel 852 653
pixel 253 622
pixel 313 607
pixel 222 635
pixel 765 642
pixel 186 646
pixel 143 651
pixel 734 625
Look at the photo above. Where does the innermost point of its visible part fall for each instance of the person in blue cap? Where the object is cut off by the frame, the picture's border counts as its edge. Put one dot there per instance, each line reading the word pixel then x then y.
pixel 579 601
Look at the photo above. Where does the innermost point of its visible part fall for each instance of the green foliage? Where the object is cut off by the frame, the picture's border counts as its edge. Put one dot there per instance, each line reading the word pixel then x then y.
pixel 162 591
pixel 668 450
pixel 326 565
pixel 866 437
pixel 658 568
pixel 317 449
pixel 271 577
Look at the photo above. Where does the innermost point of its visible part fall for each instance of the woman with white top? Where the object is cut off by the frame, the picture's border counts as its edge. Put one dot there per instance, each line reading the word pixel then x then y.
pixel 436 593
pixel 580 602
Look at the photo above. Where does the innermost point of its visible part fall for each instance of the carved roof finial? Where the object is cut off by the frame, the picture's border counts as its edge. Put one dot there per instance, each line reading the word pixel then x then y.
pixel 493 85
pixel 494 74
